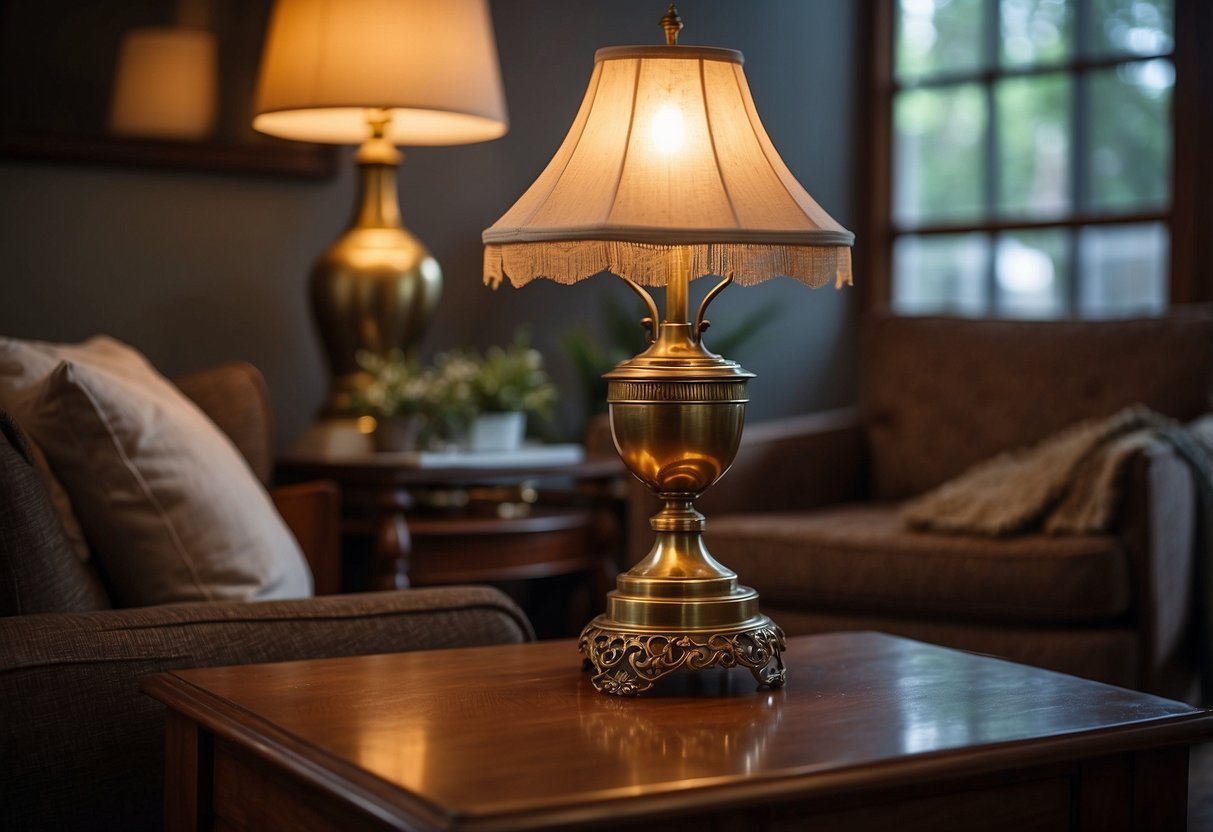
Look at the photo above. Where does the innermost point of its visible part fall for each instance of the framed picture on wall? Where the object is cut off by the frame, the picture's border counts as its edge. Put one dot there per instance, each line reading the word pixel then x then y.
pixel 166 83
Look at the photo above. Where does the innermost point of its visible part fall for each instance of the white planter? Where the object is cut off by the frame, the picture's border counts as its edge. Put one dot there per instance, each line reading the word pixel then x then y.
pixel 497 432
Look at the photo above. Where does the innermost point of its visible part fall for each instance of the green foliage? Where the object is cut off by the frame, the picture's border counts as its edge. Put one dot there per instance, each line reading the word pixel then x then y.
pixel 593 356
pixel 513 379
pixel 942 130
pixel 460 385
pixel 399 386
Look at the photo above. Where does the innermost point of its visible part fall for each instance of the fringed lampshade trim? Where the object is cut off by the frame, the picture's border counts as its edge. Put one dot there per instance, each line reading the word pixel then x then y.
pixel 649 265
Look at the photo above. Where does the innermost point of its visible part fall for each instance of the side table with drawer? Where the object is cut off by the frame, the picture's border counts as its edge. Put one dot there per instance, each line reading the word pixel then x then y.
pixel 417 520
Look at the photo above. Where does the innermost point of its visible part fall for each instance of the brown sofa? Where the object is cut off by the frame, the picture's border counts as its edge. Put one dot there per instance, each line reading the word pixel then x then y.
pixel 80 746
pixel 807 515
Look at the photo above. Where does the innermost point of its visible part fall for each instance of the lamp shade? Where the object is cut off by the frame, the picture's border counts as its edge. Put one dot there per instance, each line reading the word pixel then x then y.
pixel 667 150
pixel 431 63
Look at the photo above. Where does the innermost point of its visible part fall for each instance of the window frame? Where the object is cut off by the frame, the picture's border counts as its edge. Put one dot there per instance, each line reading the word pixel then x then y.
pixel 1189 219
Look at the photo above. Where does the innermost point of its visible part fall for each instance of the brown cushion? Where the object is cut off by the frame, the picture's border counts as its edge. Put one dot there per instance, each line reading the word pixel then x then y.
pixel 860 559
pixel 942 394
pixel 236 399
pixel 39 570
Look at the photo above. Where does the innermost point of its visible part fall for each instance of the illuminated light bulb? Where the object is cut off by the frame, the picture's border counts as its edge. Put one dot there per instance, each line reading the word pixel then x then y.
pixel 668 129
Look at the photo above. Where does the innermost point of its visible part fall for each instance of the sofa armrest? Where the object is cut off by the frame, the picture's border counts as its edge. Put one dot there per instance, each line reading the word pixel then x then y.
pixel 312 511
pixel 1157 526
pixel 783 464
pixel 82 748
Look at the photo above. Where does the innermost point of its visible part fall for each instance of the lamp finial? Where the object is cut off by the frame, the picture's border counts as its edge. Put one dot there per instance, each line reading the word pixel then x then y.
pixel 672 24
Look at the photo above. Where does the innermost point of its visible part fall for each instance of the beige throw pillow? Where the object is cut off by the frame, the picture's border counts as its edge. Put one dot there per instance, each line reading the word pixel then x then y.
pixel 171 508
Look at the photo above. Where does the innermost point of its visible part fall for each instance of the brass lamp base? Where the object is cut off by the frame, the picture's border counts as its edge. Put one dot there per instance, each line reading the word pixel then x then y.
pixel 677 412
pixel 663 616
pixel 629 663
pixel 376 287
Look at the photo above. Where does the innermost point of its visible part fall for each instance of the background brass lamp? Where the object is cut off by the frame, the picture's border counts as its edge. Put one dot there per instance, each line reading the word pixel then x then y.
pixel 667 175
pixel 381 73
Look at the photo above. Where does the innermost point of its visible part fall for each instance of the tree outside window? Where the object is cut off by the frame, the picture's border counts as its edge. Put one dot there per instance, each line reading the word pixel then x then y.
pixel 1030 156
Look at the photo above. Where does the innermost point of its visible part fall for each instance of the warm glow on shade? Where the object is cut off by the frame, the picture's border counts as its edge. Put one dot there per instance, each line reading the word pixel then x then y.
pixel 432 63
pixel 165 85
pixel 667 129
pixel 667 150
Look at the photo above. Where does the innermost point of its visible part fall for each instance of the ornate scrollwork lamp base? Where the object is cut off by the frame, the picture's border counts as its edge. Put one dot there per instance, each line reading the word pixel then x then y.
pixel 625 664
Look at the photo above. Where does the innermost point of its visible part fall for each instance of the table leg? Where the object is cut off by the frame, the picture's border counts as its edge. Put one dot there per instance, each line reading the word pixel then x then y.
pixel 392 552
pixel 188 770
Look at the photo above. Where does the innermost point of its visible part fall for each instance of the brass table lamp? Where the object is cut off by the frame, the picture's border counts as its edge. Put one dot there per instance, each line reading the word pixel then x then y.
pixel 667 175
pixel 381 73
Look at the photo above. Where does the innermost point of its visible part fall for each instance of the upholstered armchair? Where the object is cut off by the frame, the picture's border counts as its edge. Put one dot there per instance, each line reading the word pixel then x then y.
pixel 80 746
pixel 808 515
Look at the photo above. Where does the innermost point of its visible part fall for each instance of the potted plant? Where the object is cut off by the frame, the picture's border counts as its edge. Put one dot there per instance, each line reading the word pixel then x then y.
pixel 398 397
pixel 505 385
pixel 453 397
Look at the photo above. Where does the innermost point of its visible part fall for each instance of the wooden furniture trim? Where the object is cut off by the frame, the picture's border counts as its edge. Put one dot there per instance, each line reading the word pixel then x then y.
pixel 312 512
pixel 874 244
pixel 1192 161
pixel 947 769
pixel 188 758
pixel 264 740
pixel 377 502
pixel 303 161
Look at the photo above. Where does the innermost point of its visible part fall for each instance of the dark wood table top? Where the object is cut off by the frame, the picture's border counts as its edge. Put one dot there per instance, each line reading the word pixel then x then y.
pixel 514 735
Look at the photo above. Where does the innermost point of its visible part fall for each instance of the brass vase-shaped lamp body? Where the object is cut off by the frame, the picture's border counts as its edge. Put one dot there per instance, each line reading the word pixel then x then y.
pixel 377 286
pixel 677 413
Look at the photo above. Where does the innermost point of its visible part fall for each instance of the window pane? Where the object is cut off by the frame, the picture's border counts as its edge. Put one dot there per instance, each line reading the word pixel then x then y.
pixel 939 36
pixel 1034 145
pixel 938 169
pixel 1129 154
pixel 941 273
pixel 1031 274
pixel 1130 27
pixel 1035 31
pixel 1124 270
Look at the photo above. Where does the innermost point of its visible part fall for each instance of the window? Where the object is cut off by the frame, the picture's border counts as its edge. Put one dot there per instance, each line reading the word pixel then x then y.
pixel 1024 156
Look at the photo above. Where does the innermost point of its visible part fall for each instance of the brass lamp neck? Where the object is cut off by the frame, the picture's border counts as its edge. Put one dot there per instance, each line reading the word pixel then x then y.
pixel 378 158
pixel 377 149
pixel 378 205
pixel 676 287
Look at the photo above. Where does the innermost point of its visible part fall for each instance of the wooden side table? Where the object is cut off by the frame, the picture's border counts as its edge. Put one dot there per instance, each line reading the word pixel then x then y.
pixel 871 732
pixel 571 529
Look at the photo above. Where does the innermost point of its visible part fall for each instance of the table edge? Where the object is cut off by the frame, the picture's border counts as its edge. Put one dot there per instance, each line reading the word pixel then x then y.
pixel 256 735
pixel 403 809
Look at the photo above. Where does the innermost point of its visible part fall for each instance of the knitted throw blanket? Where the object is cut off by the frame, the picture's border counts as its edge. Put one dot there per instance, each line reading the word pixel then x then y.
pixel 1069 483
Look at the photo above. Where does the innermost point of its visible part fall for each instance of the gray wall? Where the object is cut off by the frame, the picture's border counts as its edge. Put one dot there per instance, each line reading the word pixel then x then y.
pixel 195 268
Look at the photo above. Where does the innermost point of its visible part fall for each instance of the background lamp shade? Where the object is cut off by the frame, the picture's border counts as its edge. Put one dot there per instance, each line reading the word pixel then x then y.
pixel 667 150
pixel 165 86
pixel 432 64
